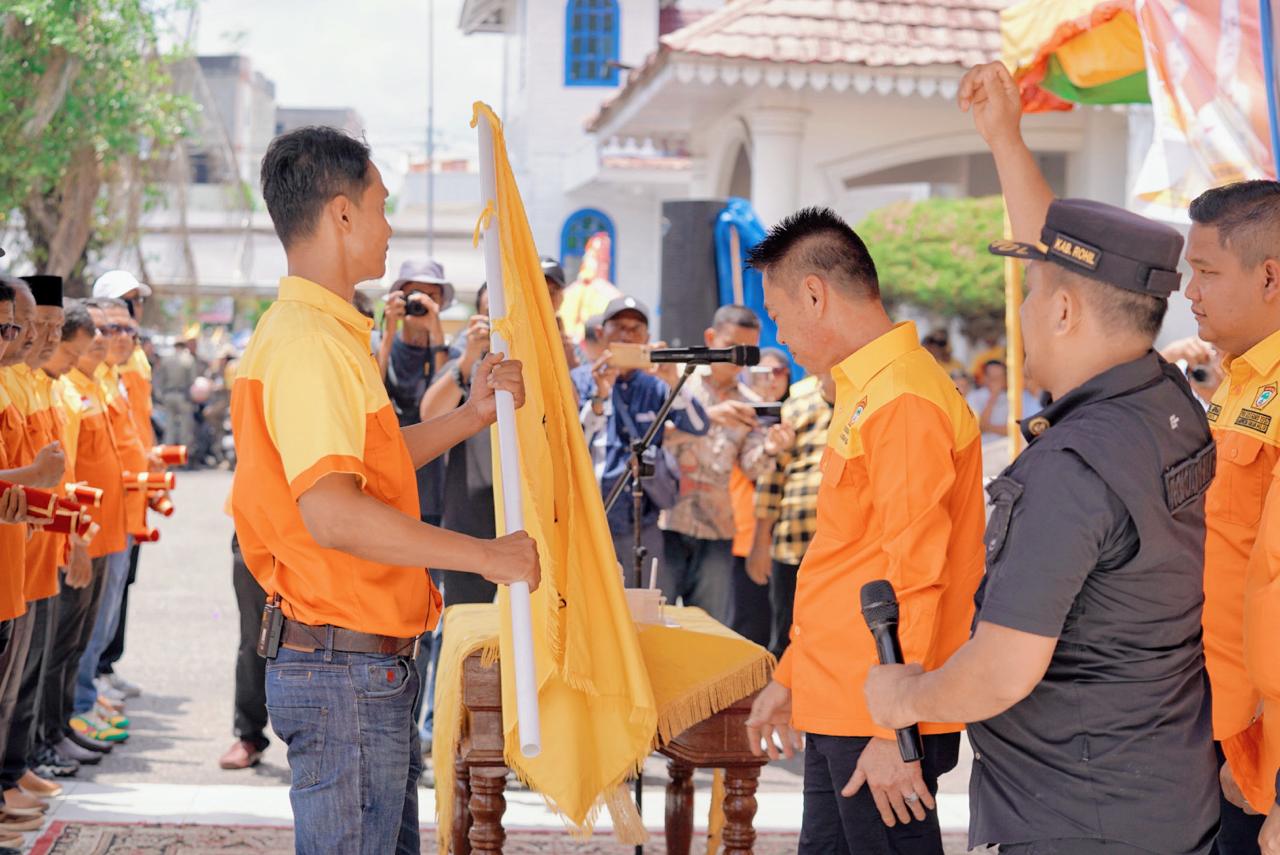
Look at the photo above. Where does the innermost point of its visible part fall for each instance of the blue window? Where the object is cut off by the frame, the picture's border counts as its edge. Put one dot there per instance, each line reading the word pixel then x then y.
pixel 578 229
pixel 591 43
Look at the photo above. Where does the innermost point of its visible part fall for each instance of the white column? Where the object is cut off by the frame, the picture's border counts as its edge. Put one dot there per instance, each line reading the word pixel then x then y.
pixel 776 137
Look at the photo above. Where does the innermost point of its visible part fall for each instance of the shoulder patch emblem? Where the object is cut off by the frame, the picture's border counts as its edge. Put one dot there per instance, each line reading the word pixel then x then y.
pixel 1265 396
pixel 1215 410
pixel 847 433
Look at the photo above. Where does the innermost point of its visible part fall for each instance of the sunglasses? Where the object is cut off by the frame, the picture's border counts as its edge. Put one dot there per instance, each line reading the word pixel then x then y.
pixel 8 332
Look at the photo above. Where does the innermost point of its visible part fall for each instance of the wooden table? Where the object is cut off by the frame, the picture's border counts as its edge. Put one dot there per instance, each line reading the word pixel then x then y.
pixel 719 742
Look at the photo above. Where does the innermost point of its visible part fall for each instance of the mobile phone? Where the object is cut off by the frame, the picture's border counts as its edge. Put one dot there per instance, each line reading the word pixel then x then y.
pixel 629 356
pixel 271 629
pixel 767 410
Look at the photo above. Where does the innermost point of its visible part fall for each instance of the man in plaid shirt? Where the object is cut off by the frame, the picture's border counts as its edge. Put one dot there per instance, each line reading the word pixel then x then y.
pixel 787 498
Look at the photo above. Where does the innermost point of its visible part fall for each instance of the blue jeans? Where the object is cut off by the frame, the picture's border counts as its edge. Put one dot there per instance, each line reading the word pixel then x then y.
pixel 347 720
pixel 104 629
pixel 698 572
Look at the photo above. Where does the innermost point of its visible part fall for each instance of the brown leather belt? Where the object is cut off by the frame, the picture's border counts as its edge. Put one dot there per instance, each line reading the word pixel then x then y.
pixel 308 639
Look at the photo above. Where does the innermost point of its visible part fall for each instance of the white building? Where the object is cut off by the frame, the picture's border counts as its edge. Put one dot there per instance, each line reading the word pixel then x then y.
pixel 846 103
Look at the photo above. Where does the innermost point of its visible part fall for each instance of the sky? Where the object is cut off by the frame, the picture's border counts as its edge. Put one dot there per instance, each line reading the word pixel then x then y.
pixel 321 53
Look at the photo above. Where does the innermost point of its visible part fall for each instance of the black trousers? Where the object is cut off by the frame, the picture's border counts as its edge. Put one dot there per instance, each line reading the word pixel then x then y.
pixel 782 601
pixel 750 611
pixel 1072 846
pixel 833 824
pixel 1238 832
pixel 110 656
pixel 75 612
pixel 12 665
pixel 19 746
pixel 251 669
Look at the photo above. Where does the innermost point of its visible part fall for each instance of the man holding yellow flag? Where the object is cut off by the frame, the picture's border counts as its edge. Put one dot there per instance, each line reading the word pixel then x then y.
pixel 326 508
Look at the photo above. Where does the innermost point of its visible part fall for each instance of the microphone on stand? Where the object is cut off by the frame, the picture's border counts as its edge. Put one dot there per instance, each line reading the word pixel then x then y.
pixel 880 611
pixel 739 354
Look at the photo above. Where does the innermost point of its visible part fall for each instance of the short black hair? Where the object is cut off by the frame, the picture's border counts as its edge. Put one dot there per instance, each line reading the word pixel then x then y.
pixel 306 168
pixel 818 240
pixel 1247 217
pixel 76 318
pixel 735 316
pixel 1123 310
pixel 991 362
pixel 6 290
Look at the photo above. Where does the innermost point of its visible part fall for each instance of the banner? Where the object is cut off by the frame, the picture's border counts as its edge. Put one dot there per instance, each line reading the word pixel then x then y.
pixel 1209 96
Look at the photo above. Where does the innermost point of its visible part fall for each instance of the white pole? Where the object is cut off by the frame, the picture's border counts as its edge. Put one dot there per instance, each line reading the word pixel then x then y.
pixel 509 457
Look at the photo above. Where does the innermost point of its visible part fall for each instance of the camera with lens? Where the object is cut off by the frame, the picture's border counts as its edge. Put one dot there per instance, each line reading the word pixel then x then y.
pixel 1199 374
pixel 415 307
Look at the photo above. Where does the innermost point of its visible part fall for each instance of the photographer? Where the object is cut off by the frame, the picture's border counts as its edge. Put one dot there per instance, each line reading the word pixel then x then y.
pixel 618 406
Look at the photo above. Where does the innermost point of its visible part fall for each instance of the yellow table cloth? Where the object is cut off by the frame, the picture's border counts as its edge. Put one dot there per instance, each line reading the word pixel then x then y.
pixel 696 665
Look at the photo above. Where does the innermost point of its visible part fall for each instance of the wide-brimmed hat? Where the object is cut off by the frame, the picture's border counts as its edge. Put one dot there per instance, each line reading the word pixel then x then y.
pixel 429 272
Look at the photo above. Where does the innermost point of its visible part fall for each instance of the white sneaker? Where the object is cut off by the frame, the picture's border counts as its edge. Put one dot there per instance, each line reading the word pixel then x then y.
pixel 120 684
pixel 108 691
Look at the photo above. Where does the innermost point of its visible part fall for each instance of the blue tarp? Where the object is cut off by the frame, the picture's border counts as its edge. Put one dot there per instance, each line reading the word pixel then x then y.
pixel 739 215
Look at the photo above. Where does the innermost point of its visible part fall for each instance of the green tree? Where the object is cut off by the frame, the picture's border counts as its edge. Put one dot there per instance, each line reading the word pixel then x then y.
pixel 88 116
pixel 933 255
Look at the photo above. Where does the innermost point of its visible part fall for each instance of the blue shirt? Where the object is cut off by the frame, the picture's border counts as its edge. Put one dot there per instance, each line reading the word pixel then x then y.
pixel 642 395
pixel 409 371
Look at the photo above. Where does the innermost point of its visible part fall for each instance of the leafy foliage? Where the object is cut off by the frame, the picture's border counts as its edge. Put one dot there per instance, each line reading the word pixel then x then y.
pixel 933 255
pixel 87 112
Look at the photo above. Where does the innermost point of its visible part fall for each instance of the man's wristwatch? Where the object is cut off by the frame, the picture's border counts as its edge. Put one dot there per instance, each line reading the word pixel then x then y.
pixel 455 371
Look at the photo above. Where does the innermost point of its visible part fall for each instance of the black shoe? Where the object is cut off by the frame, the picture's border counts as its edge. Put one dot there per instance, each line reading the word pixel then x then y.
pixel 49 763
pixel 74 747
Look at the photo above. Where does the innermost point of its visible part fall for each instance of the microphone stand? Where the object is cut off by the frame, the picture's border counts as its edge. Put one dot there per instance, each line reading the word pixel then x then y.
pixel 636 472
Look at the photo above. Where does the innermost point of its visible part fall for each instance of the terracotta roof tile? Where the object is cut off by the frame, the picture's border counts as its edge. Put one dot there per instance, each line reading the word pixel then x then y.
pixel 906 33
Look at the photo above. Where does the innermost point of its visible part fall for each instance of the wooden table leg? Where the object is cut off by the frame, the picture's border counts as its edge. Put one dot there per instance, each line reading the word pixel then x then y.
pixel 487 807
pixel 461 843
pixel 740 809
pixel 679 824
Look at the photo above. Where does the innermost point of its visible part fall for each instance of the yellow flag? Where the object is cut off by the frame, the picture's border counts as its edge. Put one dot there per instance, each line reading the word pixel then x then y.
pixel 597 706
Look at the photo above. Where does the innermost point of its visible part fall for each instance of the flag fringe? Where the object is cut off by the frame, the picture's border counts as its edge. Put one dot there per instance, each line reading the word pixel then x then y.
pixel 704 701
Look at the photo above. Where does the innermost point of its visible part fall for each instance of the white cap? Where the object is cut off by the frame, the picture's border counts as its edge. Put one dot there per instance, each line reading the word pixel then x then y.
pixel 115 284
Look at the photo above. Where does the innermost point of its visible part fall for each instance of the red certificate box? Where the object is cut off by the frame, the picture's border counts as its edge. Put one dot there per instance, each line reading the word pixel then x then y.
pixel 152 482
pixel 151 536
pixel 172 455
pixel 161 504
pixel 40 503
pixel 89 497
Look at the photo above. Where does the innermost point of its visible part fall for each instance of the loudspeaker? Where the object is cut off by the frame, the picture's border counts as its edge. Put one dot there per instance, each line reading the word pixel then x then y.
pixel 689 292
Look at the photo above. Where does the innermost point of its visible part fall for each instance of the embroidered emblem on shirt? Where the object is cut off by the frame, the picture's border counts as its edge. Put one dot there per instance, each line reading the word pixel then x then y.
pixel 1265 396
pixel 1253 420
pixel 1214 411
pixel 847 433
pixel 1038 425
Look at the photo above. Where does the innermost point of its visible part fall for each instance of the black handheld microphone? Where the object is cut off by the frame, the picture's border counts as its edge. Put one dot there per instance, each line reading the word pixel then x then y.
pixel 880 611
pixel 739 354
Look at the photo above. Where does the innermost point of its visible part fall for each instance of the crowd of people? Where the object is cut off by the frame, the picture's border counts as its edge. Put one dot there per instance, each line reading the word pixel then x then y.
pixel 82 469
pixel 1104 626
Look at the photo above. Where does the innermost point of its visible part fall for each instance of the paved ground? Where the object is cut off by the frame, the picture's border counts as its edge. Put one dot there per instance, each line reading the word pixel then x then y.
pixel 181 644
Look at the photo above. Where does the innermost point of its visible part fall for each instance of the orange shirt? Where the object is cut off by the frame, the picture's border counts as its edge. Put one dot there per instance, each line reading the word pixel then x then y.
pixel 901 499
pixel 742 492
pixel 98 463
pixel 136 377
pixel 13 538
pixel 1248 449
pixel 307 402
pixel 1242 561
pixel 44 550
pixel 133 456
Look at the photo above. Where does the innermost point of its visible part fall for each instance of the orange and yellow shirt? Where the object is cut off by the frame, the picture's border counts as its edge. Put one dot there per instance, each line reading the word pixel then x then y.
pixel 1242 557
pixel 133 455
pixel 901 499
pixel 13 538
pixel 136 377
pixel 308 402
pixel 44 550
pixel 98 462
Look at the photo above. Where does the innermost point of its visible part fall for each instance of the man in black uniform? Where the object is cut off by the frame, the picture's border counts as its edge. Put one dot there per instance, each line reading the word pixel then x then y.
pixel 1085 672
